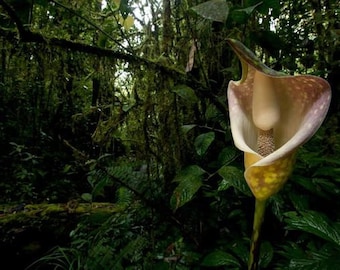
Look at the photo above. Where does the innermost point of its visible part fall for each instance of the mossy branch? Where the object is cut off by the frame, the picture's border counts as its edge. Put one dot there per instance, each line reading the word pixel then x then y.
pixel 10 213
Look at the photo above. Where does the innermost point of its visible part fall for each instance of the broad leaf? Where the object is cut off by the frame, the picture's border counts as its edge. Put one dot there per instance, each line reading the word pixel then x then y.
pixel 190 181
pixel 269 41
pixel 238 247
pixel 215 10
pixel 43 3
pixel 316 262
pixel 273 5
pixel 187 128
pixel 315 223
pixel 249 10
pixel 127 22
pixel 203 141
pixel 299 201
pixel 312 258
pixel 212 113
pixel 242 15
pixel 98 189
pixel 185 92
pixel 124 8
pixel 220 258
pixel 233 177
pixel 266 254
pixel 87 197
pixel 227 155
pixel 128 105
pixel 116 2
pixel 190 171
pixel 22 8
pixel 124 196
pixel 306 183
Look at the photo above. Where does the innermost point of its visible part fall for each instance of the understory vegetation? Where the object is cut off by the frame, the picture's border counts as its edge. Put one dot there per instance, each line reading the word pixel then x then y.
pixel 116 149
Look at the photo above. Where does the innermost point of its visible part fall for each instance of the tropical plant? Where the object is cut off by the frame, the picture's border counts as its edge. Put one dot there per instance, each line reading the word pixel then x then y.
pixel 124 103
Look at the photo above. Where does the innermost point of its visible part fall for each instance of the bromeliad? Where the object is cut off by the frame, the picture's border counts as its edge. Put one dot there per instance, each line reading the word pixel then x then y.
pixel 271 115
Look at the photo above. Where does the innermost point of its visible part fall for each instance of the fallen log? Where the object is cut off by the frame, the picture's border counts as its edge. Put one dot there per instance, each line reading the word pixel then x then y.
pixel 9 213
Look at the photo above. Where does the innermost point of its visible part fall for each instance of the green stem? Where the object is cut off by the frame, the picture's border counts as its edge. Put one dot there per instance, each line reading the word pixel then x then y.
pixel 260 208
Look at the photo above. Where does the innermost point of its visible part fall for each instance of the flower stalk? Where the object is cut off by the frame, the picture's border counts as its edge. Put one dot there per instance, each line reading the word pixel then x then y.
pixel 254 254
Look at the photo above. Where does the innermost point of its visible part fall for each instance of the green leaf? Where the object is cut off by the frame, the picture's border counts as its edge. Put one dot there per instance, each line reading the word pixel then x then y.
pixel 239 247
pixel 22 8
pixel 124 196
pixel 220 258
pixel 187 128
pixel 327 186
pixel 314 223
pixel 249 10
pixel 215 10
pixel 269 41
pixel 87 197
pixel 238 17
pixel 185 92
pixel 128 105
pixel 241 15
pixel 212 113
pixel 273 5
pixel 203 141
pixel 98 189
pixel 124 8
pixel 43 3
pixel 67 168
pixel 227 155
pixel 300 202
pixel 233 177
pixel 192 170
pixel 305 182
pixel 325 170
pixel 266 254
pixel 319 187
pixel 190 181
pixel 317 262
pixel 312 258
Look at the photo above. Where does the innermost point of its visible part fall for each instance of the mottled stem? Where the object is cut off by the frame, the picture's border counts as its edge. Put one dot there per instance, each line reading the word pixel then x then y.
pixel 254 255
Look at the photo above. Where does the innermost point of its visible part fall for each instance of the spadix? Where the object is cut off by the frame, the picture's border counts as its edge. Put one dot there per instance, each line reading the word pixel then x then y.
pixel 266 108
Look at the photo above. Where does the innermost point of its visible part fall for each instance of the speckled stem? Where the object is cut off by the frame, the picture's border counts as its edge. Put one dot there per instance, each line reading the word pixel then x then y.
pixel 260 209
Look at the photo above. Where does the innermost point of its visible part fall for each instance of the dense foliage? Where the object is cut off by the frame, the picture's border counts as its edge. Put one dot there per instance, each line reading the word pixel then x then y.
pixel 125 102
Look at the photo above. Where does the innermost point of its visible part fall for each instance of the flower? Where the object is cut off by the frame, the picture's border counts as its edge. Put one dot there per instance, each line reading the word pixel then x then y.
pixel 271 115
